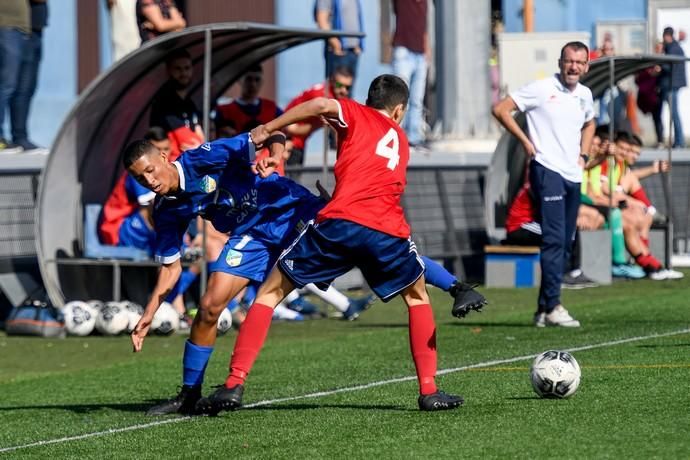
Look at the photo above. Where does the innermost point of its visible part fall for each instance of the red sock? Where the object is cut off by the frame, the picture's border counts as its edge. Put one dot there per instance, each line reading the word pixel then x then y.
pixel 423 346
pixel 249 341
pixel 648 262
pixel 641 195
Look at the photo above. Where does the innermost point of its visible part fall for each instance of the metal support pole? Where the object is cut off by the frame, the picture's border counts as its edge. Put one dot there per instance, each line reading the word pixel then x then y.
pixel 666 178
pixel 611 161
pixel 206 123
pixel 327 94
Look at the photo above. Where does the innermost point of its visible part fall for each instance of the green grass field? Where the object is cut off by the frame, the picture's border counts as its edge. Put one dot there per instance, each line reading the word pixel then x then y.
pixel 85 397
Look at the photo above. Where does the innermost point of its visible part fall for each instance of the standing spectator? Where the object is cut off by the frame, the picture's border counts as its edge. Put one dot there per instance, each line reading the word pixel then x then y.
pixel 156 17
pixel 14 33
pixel 28 77
pixel 341 15
pixel 672 79
pixel 173 109
pixel 124 33
pixel 410 59
pixel 560 118
pixel 648 99
pixel 340 86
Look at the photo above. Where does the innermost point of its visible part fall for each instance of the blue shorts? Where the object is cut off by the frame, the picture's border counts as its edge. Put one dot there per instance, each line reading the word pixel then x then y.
pixel 246 257
pixel 330 249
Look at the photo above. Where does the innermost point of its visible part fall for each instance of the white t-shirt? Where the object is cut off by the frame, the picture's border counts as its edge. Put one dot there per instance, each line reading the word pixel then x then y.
pixel 555 117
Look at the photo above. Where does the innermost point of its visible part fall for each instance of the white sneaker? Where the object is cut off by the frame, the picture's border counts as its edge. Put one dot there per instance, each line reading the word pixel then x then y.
pixel 665 274
pixel 540 319
pixel 560 317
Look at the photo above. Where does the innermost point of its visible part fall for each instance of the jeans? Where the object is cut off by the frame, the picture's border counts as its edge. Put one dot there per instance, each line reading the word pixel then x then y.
pixel 412 68
pixel 26 86
pixel 12 44
pixel 557 200
pixel 671 97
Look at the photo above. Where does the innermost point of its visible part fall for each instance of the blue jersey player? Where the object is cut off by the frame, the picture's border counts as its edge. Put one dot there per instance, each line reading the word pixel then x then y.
pixel 263 213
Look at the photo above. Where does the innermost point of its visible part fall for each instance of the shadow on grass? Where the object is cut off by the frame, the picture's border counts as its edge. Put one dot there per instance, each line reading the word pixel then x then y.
pixel 142 407
pixel 317 406
pixel 461 323
pixel 87 408
pixel 523 398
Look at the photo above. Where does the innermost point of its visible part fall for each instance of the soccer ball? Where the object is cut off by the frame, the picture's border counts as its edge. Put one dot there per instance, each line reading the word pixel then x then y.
pixel 112 319
pixel 80 318
pixel 224 322
pixel 134 312
pixel 166 320
pixel 97 305
pixel 555 374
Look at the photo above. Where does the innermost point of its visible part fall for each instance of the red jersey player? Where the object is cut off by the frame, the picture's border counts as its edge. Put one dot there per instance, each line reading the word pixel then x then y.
pixel 363 226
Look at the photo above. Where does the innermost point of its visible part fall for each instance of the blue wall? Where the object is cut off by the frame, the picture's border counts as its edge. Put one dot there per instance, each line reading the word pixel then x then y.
pixel 572 15
pixel 57 83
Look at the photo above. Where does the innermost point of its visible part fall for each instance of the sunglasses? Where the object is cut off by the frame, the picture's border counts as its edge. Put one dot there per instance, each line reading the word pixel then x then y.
pixel 337 84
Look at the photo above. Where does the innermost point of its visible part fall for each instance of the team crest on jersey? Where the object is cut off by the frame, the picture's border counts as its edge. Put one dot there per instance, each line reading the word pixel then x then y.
pixel 582 104
pixel 233 258
pixel 206 147
pixel 208 184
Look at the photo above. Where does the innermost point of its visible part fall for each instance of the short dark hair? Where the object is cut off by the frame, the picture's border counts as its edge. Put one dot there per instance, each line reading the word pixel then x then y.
pixel 136 150
pixel 179 53
pixel 255 68
pixel 156 133
pixel 668 31
pixel 343 70
pixel 602 132
pixel 625 137
pixel 577 46
pixel 636 140
pixel 387 91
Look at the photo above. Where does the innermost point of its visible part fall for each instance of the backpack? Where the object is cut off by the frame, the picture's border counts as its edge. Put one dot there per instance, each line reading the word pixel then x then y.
pixel 36 317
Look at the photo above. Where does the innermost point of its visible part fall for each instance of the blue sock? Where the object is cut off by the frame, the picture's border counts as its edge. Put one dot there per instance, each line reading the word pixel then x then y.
pixel 186 279
pixel 232 305
pixel 194 363
pixel 436 275
pixel 249 294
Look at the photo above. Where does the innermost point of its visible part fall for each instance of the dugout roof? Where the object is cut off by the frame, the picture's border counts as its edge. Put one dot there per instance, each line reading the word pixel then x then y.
pixel 84 162
pixel 506 171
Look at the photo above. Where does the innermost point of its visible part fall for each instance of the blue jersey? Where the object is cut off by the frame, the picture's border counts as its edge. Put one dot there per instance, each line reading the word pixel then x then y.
pixel 217 183
pixel 137 192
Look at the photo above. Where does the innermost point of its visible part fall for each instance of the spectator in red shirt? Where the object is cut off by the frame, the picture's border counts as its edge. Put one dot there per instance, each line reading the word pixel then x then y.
pixel 339 87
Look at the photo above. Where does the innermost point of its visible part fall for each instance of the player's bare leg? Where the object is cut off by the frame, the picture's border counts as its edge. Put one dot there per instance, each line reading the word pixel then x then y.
pixel 422 328
pixel 221 288
pixel 249 341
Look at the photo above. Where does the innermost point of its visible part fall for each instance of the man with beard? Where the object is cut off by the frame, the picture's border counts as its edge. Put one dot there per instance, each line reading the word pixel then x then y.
pixel 172 108
pixel 560 114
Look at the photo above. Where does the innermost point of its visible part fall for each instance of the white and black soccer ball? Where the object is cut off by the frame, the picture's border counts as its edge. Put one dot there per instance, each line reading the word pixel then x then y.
pixel 80 318
pixel 134 312
pixel 166 320
pixel 555 374
pixel 224 322
pixel 97 305
pixel 112 319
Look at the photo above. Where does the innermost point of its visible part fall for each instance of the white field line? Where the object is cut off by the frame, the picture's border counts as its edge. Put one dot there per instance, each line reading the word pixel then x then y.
pixel 319 394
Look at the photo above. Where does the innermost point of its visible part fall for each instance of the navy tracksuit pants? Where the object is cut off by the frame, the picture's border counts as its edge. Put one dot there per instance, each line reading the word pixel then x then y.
pixel 557 201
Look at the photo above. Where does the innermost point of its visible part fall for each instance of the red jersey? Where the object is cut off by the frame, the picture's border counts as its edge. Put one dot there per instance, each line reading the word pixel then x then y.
pixel 521 210
pixel 315 123
pixel 370 171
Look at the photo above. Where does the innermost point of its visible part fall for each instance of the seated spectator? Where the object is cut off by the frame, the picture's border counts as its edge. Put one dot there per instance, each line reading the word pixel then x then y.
pixel 156 17
pixel 339 87
pixel 248 111
pixel 627 195
pixel 172 108
pixel 523 229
